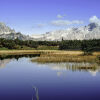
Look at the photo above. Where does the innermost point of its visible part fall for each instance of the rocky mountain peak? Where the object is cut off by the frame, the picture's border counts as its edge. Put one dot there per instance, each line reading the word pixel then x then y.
pixel 5 29
pixel 8 33
pixel 92 31
pixel 92 26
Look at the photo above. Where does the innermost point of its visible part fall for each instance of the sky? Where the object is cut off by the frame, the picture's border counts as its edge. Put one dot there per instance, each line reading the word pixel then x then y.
pixel 40 16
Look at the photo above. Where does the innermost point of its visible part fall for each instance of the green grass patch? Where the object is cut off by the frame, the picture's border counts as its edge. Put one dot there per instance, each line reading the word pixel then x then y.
pixel 3 48
pixel 48 48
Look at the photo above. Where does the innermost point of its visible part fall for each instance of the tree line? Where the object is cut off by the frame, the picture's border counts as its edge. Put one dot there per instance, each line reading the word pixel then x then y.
pixel 17 44
pixel 84 45
pixel 87 46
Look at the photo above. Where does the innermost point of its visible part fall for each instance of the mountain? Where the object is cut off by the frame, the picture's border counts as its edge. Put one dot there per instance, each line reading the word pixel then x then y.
pixel 92 31
pixel 8 33
pixel 5 29
pixel 15 36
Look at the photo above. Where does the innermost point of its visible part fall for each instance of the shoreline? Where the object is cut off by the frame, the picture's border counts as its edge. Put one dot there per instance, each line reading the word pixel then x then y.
pixel 18 52
pixel 48 56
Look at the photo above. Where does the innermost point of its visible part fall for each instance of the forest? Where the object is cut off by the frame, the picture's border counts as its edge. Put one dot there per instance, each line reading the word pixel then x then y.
pixel 84 45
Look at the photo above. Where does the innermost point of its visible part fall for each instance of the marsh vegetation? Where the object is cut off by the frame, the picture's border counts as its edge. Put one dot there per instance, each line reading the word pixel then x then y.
pixel 67 56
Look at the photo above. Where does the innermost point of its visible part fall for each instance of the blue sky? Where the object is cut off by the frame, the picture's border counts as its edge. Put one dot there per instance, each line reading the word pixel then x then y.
pixel 39 16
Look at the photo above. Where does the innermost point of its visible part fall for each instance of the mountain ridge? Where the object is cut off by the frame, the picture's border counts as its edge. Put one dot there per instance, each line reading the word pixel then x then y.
pixel 8 33
pixel 92 31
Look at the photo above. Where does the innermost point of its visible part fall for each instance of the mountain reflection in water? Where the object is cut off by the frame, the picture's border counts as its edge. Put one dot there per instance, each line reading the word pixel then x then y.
pixel 22 79
pixel 93 68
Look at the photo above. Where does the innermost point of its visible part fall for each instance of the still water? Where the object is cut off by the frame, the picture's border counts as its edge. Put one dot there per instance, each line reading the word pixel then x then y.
pixel 21 79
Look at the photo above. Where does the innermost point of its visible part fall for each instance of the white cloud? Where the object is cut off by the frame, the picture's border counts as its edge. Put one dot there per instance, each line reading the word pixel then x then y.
pixel 60 16
pixel 40 25
pixel 95 19
pixel 66 22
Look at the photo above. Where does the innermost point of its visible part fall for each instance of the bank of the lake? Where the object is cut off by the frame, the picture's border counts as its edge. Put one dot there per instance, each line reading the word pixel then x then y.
pixel 55 55
pixel 19 52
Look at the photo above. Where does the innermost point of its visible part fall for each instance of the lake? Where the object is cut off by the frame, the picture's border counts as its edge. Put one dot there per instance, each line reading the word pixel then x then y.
pixel 21 79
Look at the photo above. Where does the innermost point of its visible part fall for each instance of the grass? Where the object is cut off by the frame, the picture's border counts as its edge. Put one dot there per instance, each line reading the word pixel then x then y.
pixel 48 48
pixel 43 47
pixel 25 48
pixel 19 48
pixel 66 56
pixel 3 48
pixel 42 52
pixel 66 59
pixel 47 56
pixel 18 52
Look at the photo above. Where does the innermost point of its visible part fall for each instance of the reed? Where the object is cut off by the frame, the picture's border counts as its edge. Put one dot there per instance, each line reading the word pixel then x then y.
pixel 56 55
pixel 66 59
pixel 66 56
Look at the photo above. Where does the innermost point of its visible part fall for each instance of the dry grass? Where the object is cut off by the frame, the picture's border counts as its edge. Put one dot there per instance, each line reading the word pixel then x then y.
pixel 11 52
pixel 96 53
pixel 66 59
pixel 17 52
pixel 55 55
pixel 65 56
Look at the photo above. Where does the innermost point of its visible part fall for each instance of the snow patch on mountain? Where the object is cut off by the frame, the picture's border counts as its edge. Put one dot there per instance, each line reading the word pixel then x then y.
pixel 5 29
pixel 92 31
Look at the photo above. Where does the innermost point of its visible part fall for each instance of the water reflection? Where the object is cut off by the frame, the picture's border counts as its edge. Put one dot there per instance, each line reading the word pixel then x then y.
pixel 35 94
pixel 23 80
pixel 5 59
pixel 18 56
pixel 92 68
pixel 4 62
